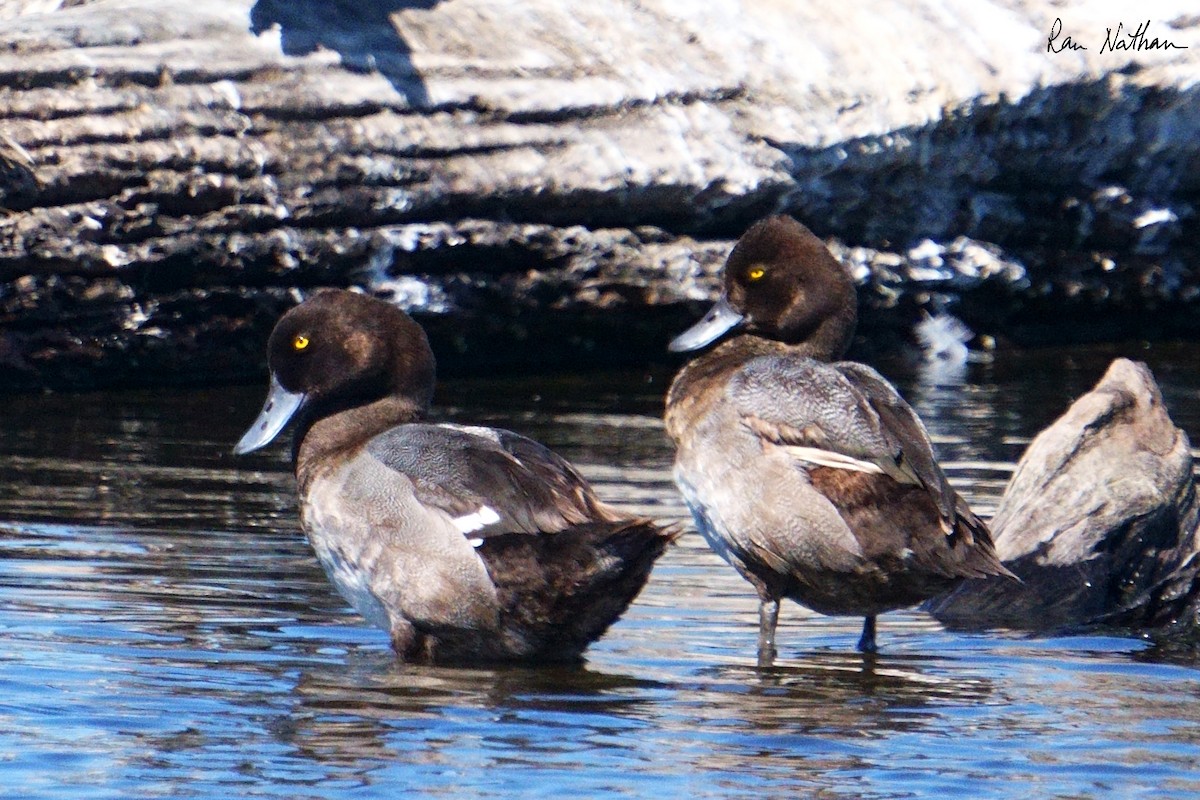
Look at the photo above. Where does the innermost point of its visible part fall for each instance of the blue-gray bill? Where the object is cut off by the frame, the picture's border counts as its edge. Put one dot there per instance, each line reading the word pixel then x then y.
pixel 720 318
pixel 278 408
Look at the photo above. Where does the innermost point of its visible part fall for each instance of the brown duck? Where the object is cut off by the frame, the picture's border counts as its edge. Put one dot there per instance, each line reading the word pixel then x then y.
pixel 464 543
pixel 811 476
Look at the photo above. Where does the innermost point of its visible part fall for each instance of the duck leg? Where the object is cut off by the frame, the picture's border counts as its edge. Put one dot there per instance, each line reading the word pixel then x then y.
pixel 866 643
pixel 768 618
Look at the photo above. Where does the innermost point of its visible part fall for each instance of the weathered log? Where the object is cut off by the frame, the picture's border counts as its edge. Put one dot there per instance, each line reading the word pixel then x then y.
pixel 1099 521
pixel 170 171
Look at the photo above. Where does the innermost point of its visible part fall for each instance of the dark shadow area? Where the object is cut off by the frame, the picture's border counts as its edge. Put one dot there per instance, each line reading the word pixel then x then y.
pixel 363 33
pixel 1086 185
pixel 1066 167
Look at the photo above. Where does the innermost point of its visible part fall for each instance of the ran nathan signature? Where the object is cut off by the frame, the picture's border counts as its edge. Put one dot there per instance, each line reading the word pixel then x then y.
pixel 1114 40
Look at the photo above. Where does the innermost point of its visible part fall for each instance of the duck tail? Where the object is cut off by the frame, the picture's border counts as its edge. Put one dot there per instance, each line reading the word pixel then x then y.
pixel 559 593
pixel 979 559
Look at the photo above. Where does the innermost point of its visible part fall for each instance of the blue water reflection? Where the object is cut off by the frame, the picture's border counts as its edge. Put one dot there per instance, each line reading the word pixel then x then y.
pixel 166 632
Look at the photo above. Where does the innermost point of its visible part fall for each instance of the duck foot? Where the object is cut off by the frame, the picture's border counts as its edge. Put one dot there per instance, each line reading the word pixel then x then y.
pixel 866 642
pixel 768 618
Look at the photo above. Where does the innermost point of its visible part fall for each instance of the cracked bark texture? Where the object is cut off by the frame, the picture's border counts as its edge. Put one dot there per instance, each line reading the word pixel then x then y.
pixel 572 174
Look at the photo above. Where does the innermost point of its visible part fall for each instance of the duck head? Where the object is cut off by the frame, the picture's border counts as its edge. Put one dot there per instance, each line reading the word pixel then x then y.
pixel 780 282
pixel 340 350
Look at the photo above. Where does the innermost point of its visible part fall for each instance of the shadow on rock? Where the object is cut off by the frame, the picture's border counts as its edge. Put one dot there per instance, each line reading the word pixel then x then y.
pixel 363 33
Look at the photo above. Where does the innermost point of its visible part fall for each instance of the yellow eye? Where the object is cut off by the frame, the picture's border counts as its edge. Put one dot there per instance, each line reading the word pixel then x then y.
pixel 300 342
pixel 755 273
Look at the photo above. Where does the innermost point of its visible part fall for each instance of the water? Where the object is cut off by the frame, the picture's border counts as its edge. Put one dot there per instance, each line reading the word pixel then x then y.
pixel 165 631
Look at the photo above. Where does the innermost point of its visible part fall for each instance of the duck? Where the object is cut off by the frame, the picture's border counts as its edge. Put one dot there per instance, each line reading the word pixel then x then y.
pixel 464 543
pixel 811 476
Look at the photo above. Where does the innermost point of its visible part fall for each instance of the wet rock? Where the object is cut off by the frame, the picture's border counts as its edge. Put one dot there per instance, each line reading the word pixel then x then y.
pixel 572 171
pixel 1100 521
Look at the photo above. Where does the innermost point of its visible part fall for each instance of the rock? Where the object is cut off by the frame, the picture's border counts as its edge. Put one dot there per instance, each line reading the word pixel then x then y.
pixel 1099 521
pixel 212 156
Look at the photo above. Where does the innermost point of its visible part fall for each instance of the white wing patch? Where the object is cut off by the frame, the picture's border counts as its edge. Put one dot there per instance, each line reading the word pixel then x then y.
pixel 468 523
pixel 474 430
pixel 828 458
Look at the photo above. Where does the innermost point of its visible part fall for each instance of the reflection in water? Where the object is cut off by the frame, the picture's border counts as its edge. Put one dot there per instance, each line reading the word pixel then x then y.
pixel 943 339
pixel 168 632
pixel 527 716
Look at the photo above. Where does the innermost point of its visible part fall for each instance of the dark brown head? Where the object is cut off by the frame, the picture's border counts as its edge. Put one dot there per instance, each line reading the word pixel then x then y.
pixel 340 350
pixel 782 283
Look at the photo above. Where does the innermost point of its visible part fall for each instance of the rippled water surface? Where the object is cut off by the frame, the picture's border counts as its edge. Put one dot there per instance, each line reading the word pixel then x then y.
pixel 165 631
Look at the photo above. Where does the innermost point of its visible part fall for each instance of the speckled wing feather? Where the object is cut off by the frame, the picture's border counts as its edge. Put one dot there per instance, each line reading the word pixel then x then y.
pixel 489 481
pixel 902 426
pixel 841 415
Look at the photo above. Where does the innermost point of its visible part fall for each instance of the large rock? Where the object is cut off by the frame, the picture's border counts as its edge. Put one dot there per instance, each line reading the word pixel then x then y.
pixel 1099 521
pixel 171 169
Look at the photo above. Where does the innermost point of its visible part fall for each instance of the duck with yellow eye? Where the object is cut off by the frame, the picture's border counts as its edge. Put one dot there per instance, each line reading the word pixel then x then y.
pixel 279 406
pixel 464 543
pixel 811 476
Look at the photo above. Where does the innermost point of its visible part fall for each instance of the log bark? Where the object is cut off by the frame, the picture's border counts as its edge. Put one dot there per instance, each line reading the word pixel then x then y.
pixel 1099 521
pixel 170 172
